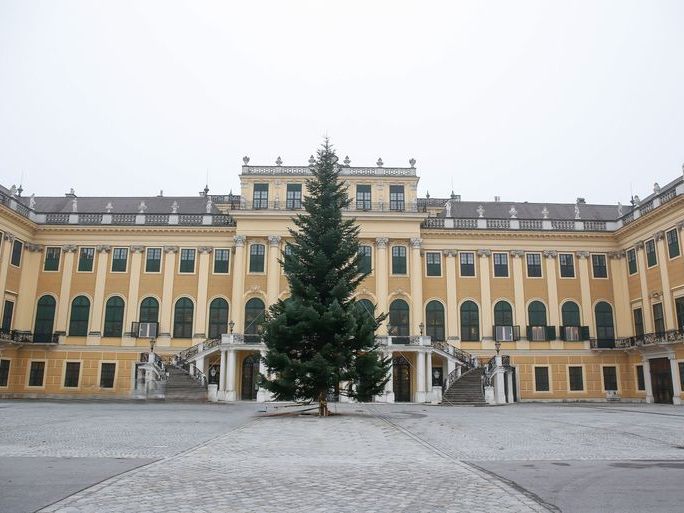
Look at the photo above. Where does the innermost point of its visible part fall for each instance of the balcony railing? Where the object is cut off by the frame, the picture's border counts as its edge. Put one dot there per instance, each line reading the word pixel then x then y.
pixel 649 339
pixel 26 337
pixel 354 206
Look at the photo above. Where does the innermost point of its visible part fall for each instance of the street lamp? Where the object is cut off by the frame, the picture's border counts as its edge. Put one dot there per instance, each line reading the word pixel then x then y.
pixel 152 342
pixel 497 345
pixel 421 327
pixel 231 325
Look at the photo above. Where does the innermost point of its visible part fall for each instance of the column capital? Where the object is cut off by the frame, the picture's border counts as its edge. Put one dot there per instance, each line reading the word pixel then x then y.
pixel 239 240
pixel 205 250
pixel 274 240
pixel 36 248
pixel 517 253
pixel 69 248
pixel 416 242
pixel 103 248
pixel 484 253
pixel 170 249
pixel 137 249
pixel 659 235
pixel 582 254
pixel 550 253
pixel 616 255
pixel 680 225
pixel 639 245
pixel 450 252
pixel 9 236
pixel 381 242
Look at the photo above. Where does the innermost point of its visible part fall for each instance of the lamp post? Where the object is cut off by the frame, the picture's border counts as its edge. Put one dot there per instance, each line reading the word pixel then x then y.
pixel 152 342
pixel 231 325
pixel 421 327
pixel 497 345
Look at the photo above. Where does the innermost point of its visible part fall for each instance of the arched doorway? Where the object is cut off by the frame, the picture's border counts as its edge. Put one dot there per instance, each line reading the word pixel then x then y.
pixel 250 377
pixel 605 330
pixel 45 319
pixel 401 379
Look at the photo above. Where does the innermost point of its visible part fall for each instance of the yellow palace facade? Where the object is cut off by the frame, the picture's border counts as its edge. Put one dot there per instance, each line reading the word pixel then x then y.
pixel 583 302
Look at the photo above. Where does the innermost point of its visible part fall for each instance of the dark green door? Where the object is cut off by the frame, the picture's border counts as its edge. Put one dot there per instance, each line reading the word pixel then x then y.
pixel 250 377
pixel 401 380
pixel 661 380
pixel 45 319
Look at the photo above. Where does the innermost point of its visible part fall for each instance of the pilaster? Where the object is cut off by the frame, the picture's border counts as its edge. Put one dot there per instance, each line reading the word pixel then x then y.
pixel 5 253
pixel 416 281
pixel 101 268
pixel 552 288
pixel 164 337
pixel 618 270
pixel 28 282
pixel 668 304
pixel 451 293
pixel 203 271
pixel 585 291
pixel 381 279
pixel 273 277
pixel 68 252
pixel 135 268
pixel 238 306
pixel 519 293
pixel 485 295
pixel 646 310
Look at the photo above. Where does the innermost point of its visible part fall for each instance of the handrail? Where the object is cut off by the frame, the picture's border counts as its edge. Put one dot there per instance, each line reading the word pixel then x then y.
pixel 647 339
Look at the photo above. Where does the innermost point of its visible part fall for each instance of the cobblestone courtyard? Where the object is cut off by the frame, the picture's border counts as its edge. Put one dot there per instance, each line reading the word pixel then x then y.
pixel 92 457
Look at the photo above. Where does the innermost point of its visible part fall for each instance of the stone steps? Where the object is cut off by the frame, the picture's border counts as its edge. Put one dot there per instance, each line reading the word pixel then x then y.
pixel 466 391
pixel 181 387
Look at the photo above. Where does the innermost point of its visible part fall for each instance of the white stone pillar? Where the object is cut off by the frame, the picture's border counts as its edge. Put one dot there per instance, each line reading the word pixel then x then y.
pixel 499 394
pixel 676 383
pixel 222 375
pixel 647 380
pixel 428 376
pixel 231 393
pixel 263 395
pixel 388 396
pixel 420 377
pixel 509 377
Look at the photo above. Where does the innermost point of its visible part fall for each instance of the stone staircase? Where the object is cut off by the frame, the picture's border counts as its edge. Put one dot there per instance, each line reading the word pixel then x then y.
pixel 181 387
pixel 467 390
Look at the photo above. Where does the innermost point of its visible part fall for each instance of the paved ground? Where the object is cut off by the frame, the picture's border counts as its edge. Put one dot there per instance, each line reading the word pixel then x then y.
pixel 169 457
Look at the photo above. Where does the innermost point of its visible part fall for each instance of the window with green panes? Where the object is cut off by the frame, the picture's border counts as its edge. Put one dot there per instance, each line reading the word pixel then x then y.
pixel 631 261
pixel 672 243
pixel 256 258
pixel 119 260
pixel 598 265
pixel 398 259
pixel 73 369
pixel 17 248
pixel 86 257
pixel 433 263
pixel 187 261
pixel 52 258
pixel 365 262
pixel 221 261
pixel 4 372
pixel 260 197
pixel 80 313
pixel 153 260
pixel 293 199
pixel 651 258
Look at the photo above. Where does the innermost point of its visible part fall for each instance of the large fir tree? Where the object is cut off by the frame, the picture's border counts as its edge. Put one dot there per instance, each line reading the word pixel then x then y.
pixel 319 337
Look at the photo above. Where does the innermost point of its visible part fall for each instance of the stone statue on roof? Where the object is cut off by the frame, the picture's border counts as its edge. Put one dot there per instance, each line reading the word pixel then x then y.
pixel 513 212
pixel 74 205
pixel 32 201
pixel 577 212
pixel 480 211
pixel 13 190
pixel 174 207
pixel 209 205
pixel 619 209
pixel 142 207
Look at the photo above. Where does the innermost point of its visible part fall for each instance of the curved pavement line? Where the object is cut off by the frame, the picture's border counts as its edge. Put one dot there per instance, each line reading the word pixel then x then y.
pixel 500 481
pixel 99 484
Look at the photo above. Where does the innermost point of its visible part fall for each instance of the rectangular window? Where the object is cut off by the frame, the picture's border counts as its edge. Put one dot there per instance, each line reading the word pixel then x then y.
pixel 651 258
pixel 4 372
pixel 36 373
pixel 638 322
pixel 73 369
pixel 433 261
pixel 52 259
pixel 500 265
pixel 672 243
pixel 398 259
pixel 7 313
pixel 610 378
pixel 86 258
pixel 658 318
pixel 397 197
pixel 260 198
pixel 293 200
pixel 187 261
pixel 221 261
pixel 467 261
pixel 363 197
pixel 504 333
pixel 631 261
pixel 679 308
pixel 365 263
pixel 541 379
pixel 534 269
pixel 153 260
pixel 256 258
pixel 17 248
pixel 119 260
pixel 598 264
pixel 107 371
pixel 567 265
pixel 641 384
pixel 576 379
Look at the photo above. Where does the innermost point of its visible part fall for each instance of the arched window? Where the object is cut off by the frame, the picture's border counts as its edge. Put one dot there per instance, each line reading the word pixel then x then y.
pixel 254 318
pixel 183 314
pixel 45 319
pixel 605 331
pixel 366 306
pixel 570 313
pixel 114 314
pixel 537 313
pixel 503 314
pixel 80 312
pixel 470 321
pixel 149 310
pixel 399 318
pixel 434 320
pixel 218 317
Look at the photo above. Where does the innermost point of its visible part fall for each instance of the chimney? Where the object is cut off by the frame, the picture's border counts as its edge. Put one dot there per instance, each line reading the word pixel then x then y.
pixel 497 199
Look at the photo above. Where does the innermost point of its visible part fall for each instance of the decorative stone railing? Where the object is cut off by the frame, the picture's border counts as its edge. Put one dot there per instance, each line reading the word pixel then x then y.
pixel 344 171
pixel 385 207
pixel 451 223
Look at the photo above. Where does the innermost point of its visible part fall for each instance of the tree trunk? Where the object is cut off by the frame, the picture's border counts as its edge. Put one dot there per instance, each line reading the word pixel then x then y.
pixel 323 404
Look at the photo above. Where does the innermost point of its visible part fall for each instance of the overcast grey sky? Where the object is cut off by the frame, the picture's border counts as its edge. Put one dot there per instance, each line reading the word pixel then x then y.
pixel 528 100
